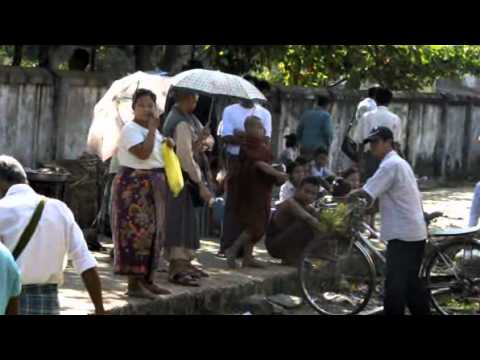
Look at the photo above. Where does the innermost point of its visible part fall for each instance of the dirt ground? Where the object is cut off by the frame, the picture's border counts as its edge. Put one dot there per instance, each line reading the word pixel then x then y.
pixel 454 202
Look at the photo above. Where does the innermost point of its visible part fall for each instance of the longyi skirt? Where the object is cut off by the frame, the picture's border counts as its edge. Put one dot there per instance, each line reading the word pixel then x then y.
pixel 138 220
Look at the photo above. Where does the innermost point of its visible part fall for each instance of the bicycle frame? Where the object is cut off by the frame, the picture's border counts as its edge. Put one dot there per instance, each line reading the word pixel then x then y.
pixel 373 250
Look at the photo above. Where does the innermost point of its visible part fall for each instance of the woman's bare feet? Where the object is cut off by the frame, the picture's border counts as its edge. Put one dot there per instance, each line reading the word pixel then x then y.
pixel 155 289
pixel 137 290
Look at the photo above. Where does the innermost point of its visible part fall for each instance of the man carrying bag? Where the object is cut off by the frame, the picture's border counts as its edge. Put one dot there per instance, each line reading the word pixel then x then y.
pixel 41 234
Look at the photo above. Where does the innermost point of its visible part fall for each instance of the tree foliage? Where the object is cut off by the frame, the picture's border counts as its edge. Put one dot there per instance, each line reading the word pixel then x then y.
pixel 401 67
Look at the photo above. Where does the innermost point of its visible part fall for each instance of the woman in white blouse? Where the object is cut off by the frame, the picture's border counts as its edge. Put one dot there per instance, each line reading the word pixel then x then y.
pixel 138 199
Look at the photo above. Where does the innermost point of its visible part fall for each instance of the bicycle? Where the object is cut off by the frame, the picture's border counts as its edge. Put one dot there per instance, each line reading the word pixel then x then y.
pixel 339 277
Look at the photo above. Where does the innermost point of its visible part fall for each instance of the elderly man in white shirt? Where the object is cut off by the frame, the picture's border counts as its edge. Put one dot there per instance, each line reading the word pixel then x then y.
pixel 366 105
pixel 403 226
pixel 44 257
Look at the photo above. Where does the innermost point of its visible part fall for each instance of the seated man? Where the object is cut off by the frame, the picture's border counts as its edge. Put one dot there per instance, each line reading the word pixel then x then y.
pixel 292 225
pixel 327 178
pixel 296 173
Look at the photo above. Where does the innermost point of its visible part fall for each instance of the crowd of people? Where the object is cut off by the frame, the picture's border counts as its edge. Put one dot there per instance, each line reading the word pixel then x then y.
pixel 151 226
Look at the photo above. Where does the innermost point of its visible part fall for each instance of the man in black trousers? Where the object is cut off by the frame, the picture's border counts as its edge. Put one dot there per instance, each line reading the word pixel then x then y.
pixel 403 225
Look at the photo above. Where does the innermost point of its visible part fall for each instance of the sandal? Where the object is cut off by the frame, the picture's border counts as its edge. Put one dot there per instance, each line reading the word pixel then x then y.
pixel 199 272
pixel 184 279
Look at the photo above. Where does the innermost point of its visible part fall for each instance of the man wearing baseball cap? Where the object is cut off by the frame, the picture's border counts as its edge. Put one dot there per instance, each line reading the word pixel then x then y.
pixel 403 225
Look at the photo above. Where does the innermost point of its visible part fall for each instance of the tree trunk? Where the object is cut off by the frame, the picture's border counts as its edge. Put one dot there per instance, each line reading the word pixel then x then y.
pixel 44 56
pixel 143 58
pixel 93 56
pixel 175 57
pixel 17 55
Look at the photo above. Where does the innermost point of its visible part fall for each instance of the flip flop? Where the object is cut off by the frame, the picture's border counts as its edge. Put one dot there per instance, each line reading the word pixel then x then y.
pixel 184 279
pixel 199 271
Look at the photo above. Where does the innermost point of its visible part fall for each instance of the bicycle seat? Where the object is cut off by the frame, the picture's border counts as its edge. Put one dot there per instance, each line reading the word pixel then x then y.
pixel 454 231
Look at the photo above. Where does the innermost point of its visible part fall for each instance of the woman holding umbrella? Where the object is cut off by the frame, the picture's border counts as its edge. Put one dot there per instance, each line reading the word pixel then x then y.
pixel 182 236
pixel 138 204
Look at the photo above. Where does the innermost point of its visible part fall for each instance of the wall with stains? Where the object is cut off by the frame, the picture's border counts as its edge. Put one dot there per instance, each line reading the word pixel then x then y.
pixel 46 116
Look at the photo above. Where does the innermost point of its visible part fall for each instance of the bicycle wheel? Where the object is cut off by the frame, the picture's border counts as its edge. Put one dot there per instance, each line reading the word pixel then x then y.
pixel 453 278
pixel 336 284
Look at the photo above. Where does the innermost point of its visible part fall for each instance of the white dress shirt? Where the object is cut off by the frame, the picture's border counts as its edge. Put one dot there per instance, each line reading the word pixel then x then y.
pixel 379 117
pixel 401 208
pixel 234 117
pixel 57 236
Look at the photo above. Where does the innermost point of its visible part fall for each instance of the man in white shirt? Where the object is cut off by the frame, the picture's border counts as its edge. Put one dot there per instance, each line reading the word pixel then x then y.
pixel 44 257
pixel 234 120
pixel 403 225
pixel 366 105
pixel 381 116
pixel 232 133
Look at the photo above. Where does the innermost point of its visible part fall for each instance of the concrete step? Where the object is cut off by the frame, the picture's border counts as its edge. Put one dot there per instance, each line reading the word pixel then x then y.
pixel 218 294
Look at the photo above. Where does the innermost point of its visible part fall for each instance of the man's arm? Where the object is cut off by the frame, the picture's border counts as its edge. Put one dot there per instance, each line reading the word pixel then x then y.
pixel 301 214
pixel 84 262
pixel 361 194
pixel 236 139
pixel 270 170
pixel 92 283
pixel 377 185
pixel 13 307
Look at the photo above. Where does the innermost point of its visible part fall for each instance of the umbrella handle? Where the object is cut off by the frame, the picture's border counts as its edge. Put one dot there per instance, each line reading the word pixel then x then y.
pixel 209 122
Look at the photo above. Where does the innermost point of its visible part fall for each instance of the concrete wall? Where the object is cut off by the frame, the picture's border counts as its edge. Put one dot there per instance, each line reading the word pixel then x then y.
pixel 46 116
pixel 439 132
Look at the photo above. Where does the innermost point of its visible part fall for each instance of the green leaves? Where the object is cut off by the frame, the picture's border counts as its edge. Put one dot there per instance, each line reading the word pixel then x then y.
pixel 400 67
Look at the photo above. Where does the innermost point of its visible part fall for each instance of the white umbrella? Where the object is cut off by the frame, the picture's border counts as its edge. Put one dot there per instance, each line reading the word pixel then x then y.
pixel 216 83
pixel 114 110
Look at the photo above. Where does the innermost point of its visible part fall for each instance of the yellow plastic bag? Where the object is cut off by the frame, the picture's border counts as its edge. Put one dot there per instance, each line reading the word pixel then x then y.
pixel 173 171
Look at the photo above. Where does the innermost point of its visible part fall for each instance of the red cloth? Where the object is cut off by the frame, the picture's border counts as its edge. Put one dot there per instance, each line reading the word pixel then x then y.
pixel 251 190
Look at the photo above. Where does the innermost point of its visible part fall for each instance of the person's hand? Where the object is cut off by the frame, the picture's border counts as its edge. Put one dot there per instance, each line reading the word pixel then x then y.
pixel 209 143
pixel 170 142
pixel 240 135
pixel 352 196
pixel 282 178
pixel 153 122
pixel 205 133
pixel 205 194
